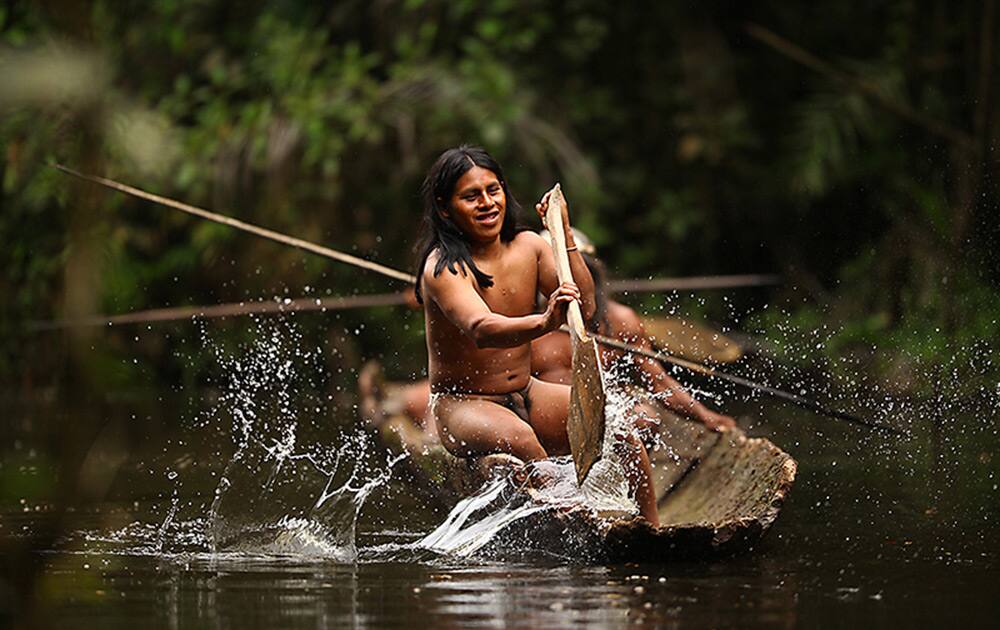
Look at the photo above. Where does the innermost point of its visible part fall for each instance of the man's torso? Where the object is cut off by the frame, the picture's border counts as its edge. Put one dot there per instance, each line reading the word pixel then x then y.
pixel 455 363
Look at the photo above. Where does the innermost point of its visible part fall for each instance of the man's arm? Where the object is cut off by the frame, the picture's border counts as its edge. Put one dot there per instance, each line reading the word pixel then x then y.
pixel 628 328
pixel 458 299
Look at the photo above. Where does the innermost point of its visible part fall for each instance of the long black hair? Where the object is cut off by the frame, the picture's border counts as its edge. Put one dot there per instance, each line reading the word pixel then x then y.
pixel 438 231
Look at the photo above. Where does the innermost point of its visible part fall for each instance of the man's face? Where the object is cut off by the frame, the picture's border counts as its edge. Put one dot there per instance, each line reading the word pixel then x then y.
pixel 478 205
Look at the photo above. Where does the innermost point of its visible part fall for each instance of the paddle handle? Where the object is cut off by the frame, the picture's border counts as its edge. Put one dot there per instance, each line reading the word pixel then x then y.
pixel 554 223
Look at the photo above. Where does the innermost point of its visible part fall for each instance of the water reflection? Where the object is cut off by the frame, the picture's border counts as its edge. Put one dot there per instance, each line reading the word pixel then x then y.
pixel 874 533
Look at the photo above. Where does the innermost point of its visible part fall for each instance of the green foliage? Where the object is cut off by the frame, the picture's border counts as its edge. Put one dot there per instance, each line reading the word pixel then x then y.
pixel 685 147
pixel 26 476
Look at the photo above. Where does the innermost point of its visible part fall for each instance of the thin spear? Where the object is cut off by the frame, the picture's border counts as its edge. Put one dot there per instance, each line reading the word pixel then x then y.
pixel 241 225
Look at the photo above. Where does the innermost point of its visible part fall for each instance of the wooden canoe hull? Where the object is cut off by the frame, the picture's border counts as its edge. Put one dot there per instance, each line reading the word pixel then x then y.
pixel 717 495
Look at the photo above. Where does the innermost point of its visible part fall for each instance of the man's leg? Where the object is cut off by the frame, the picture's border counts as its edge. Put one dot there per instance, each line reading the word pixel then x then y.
pixel 469 427
pixel 416 400
pixel 548 410
pixel 639 473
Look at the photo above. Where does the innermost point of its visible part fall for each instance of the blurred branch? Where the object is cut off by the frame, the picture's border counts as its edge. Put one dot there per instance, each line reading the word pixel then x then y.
pixel 811 61
pixel 241 225
pixel 225 310
pixel 970 180
pixel 981 117
pixel 692 283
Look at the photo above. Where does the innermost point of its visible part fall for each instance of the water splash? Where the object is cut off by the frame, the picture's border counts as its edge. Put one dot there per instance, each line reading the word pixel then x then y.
pixel 284 491
pixel 304 508
pixel 289 488
pixel 504 500
pixel 540 506
pixel 530 510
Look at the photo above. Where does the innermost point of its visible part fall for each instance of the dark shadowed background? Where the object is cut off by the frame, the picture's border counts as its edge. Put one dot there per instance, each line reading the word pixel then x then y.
pixel 849 147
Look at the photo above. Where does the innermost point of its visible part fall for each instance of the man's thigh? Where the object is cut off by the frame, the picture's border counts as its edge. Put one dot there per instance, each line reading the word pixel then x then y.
pixel 549 411
pixel 470 427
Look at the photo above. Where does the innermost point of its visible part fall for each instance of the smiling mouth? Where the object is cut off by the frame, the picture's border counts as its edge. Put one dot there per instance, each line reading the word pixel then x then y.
pixel 488 218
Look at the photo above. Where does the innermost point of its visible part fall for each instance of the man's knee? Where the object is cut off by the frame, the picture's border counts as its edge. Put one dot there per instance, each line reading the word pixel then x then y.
pixel 523 442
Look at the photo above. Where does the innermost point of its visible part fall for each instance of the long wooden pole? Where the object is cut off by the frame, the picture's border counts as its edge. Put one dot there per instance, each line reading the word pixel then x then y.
pixel 329 253
pixel 691 283
pixel 241 225
pixel 705 370
pixel 227 310
pixel 366 301
pixel 615 286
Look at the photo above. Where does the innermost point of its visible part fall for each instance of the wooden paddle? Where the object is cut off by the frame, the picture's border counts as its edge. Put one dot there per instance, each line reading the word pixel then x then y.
pixel 585 425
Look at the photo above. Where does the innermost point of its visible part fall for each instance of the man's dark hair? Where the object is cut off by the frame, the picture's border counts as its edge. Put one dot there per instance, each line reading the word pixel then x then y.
pixel 599 323
pixel 438 231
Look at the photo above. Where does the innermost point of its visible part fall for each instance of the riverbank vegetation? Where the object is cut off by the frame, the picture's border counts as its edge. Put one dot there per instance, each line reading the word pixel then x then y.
pixel 852 150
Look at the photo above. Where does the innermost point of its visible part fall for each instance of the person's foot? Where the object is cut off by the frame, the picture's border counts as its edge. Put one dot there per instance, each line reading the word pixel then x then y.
pixel 370 388
pixel 531 478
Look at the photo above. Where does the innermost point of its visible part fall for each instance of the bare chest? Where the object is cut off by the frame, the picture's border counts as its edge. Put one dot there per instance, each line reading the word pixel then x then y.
pixel 515 287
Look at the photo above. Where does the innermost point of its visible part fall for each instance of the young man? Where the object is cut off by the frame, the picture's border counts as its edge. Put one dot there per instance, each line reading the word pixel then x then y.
pixel 552 361
pixel 477 277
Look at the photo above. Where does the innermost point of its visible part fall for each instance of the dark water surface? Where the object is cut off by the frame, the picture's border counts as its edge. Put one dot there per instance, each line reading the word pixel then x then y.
pixel 876 532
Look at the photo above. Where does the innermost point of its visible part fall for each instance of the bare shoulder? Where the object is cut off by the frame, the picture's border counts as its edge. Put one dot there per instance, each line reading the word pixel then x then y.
pixel 430 262
pixel 624 321
pixel 529 239
pixel 528 243
pixel 430 279
pixel 427 271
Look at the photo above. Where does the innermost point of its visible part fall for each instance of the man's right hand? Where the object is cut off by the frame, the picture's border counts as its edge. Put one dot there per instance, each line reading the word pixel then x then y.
pixel 559 301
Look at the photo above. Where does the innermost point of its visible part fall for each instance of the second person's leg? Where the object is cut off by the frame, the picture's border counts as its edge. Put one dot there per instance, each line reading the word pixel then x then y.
pixel 549 413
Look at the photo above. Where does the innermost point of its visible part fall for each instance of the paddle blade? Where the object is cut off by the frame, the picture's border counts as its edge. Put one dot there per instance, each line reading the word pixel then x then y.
pixel 585 425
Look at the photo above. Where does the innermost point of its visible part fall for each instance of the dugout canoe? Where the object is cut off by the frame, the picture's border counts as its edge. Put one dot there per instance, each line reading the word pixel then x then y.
pixel 718 493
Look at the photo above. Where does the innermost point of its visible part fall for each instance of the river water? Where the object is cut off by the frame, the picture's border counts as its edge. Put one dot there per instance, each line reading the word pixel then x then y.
pixel 172 519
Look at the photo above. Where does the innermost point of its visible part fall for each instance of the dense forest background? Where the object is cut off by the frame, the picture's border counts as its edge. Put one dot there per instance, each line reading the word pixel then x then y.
pixel 850 147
